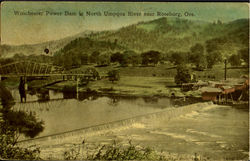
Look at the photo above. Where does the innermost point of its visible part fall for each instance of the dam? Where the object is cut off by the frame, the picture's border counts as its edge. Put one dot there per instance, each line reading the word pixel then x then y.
pixel 117 125
pixel 80 134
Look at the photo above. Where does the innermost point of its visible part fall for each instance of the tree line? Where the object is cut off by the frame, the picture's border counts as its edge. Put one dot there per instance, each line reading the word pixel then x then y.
pixel 201 56
pixel 129 57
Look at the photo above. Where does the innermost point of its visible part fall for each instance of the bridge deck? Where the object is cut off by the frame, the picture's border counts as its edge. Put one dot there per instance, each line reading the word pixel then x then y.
pixel 44 75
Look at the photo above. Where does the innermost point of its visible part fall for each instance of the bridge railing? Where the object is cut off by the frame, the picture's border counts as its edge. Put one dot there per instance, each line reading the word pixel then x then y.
pixel 28 68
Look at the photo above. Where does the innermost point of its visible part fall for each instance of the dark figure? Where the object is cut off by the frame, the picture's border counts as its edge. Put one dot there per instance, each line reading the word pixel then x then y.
pixel 173 95
pixel 22 91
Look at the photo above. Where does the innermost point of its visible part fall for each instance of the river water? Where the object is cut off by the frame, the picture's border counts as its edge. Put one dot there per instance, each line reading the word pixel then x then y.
pixel 61 115
pixel 215 132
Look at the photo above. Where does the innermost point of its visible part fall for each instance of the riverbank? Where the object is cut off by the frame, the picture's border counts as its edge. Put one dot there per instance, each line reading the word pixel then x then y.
pixel 131 86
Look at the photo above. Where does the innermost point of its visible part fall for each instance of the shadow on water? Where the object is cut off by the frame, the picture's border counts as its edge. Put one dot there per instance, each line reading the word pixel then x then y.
pixel 42 94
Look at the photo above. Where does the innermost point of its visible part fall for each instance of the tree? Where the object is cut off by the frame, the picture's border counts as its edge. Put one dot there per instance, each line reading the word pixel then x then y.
pixel 177 58
pixel 83 58
pixel 11 125
pixel 93 58
pixel 116 57
pixel 150 57
pixel 93 72
pixel 23 123
pixel 212 45
pixel 125 58
pixel 103 59
pixel 234 60
pixel 197 56
pixel 219 22
pixel 58 58
pixel 213 52
pixel 114 75
pixel 183 75
pixel 67 60
pixel 213 58
pixel 244 54
pixel 76 60
pixel 131 57
pixel 135 60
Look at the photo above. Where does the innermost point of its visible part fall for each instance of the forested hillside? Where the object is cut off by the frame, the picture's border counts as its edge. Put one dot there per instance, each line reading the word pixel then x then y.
pixel 177 40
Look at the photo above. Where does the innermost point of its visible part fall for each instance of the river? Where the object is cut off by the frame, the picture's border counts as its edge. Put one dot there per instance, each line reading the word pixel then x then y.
pixel 62 112
pixel 215 132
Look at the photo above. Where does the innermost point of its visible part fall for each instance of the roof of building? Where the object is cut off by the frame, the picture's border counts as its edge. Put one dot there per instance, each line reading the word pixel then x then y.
pixel 234 81
pixel 227 87
pixel 210 89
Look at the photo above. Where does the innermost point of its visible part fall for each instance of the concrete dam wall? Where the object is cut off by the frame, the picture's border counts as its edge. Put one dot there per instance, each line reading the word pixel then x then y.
pixel 78 135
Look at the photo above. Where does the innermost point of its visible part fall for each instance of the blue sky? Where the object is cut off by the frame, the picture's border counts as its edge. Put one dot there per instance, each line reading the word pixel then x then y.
pixel 25 29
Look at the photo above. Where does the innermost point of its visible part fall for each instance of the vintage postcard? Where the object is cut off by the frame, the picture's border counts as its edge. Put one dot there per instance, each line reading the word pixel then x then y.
pixel 124 81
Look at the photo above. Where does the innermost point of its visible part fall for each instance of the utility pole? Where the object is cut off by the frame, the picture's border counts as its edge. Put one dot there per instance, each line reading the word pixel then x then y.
pixel 225 75
pixel 77 88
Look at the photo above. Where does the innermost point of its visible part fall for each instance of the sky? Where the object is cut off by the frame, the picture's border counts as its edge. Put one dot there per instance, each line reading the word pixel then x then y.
pixel 31 29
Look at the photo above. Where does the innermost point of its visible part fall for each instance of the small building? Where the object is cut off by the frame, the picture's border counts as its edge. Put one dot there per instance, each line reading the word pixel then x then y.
pixel 210 93
pixel 227 89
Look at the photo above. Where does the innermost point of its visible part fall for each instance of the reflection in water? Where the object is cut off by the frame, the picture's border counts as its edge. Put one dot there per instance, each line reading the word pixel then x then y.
pixel 91 95
pixel 61 111
pixel 151 99
pixel 42 94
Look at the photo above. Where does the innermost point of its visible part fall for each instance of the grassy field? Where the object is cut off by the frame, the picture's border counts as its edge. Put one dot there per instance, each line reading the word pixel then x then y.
pixel 137 86
pixel 148 81
pixel 141 81
pixel 131 86
pixel 156 81
pixel 168 71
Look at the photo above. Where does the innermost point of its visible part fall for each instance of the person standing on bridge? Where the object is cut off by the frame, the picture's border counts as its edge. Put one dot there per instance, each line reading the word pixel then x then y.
pixel 22 90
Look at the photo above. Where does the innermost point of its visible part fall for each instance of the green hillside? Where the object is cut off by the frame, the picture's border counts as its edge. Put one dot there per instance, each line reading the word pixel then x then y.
pixel 166 34
pixel 7 51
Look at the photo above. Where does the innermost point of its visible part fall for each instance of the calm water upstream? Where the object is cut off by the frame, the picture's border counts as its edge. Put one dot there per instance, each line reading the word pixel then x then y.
pixel 60 115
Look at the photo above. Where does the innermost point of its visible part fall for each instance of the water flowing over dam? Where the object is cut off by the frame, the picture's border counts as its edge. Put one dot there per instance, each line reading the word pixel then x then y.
pixel 77 135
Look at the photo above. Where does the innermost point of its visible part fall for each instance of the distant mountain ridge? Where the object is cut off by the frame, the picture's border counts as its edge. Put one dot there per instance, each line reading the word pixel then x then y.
pixel 37 49
pixel 163 34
